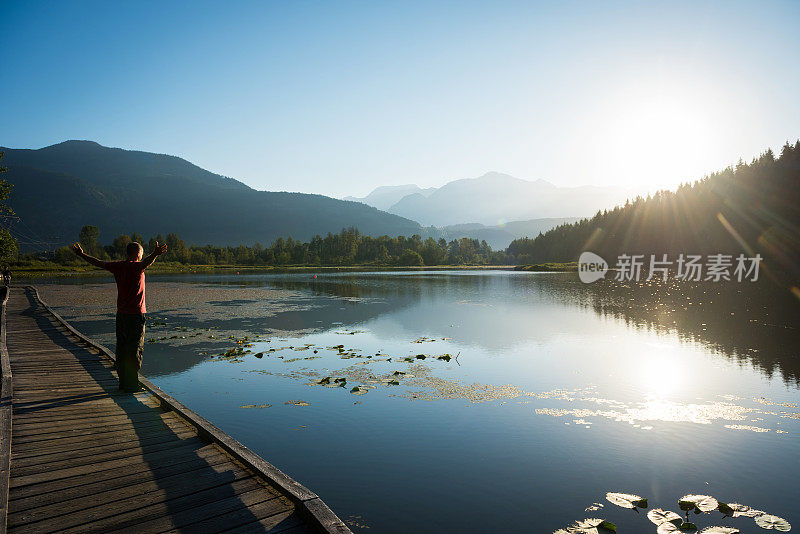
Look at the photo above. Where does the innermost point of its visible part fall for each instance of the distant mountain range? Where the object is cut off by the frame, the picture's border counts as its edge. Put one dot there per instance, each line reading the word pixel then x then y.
pixel 500 236
pixel 60 188
pixel 386 196
pixel 492 199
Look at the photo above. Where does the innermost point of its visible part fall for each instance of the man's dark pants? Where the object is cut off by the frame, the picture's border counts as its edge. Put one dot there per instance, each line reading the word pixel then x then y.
pixel 130 342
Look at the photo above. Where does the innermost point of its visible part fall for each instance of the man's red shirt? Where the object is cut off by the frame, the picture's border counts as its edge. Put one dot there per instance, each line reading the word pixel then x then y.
pixel 130 285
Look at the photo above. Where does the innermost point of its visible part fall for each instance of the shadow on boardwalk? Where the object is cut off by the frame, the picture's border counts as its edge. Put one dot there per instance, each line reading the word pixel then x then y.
pixel 141 469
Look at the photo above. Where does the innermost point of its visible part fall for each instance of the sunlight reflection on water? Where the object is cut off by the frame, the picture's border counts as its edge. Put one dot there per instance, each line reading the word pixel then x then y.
pixel 554 382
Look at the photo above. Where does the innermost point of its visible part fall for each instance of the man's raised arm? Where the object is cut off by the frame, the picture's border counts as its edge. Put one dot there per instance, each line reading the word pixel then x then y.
pixel 158 251
pixel 78 250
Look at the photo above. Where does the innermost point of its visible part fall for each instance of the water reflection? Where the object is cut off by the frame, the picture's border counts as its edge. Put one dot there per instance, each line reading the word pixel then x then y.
pixel 561 389
pixel 753 323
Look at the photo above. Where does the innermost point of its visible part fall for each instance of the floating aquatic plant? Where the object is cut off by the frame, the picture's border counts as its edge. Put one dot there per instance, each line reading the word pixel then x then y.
pixel 773 522
pixel 591 525
pixel 738 510
pixel 626 500
pixel 698 503
pixel 683 526
pixel 668 522
pixel 658 516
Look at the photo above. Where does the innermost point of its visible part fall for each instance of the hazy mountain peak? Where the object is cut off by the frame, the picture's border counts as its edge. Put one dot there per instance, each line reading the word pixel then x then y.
pixel 384 196
pixel 495 197
pixel 74 143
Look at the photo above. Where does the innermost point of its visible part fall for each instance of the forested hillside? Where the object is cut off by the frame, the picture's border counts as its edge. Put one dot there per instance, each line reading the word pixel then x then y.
pixel 750 208
pixel 60 188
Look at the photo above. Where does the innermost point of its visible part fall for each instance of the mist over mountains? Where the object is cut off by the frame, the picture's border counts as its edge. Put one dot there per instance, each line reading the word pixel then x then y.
pixel 493 199
pixel 386 196
pixel 60 188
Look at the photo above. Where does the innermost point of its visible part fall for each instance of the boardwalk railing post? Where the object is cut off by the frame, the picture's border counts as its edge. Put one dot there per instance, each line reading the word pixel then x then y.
pixel 6 394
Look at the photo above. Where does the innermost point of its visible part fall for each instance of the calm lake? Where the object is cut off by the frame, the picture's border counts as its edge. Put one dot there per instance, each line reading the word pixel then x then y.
pixel 486 401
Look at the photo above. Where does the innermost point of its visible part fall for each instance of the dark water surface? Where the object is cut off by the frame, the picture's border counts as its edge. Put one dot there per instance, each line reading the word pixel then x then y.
pixel 559 392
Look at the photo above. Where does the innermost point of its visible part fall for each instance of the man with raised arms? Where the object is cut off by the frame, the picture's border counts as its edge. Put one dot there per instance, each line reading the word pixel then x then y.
pixel 131 309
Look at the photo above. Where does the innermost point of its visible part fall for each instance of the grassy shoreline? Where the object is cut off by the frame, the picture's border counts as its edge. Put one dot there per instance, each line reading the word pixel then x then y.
pixel 49 270
pixel 549 267
pixel 26 272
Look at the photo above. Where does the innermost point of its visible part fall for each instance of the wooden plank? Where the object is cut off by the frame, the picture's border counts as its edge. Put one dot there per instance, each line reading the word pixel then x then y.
pixel 85 492
pixel 115 439
pixel 91 436
pixel 81 351
pixel 66 431
pixel 236 518
pixel 99 466
pixel 61 453
pixel 87 441
pixel 97 412
pixel 133 496
pixel 32 381
pixel 154 506
pixel 107 397
pixel 88 424
pixel 93 410
pixel 198 507
pixel 44 465
pixel 289 522
pixel 98 420
pixel 329 521
pixel 156 469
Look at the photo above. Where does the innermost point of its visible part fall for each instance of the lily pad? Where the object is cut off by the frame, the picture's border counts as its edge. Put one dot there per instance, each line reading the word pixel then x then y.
pixel 702 503
pixel 358 391
pixel 658 516
pixel 668 527
pixel 593 526
pixel 773 522
pixel 298 403
pixel 255 406
pixel 626 500
pixel 734 509
pixel 720 530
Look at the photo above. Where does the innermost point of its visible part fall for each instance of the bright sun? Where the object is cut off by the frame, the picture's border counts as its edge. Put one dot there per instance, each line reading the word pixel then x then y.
pixel 655 137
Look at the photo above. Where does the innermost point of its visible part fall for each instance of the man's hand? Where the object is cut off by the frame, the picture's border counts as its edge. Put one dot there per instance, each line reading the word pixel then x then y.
pixel 157 251
pixel 78 250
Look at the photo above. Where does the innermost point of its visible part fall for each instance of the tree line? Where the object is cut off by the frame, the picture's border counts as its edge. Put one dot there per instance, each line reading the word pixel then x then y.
pixel 751 208
pixel 348 247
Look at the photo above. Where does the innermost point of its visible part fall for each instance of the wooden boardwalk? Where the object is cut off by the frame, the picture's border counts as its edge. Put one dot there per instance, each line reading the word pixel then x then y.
pixel 85 457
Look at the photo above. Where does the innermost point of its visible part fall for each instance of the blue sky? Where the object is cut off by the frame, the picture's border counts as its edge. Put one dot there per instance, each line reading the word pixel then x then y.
pixel 340 97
